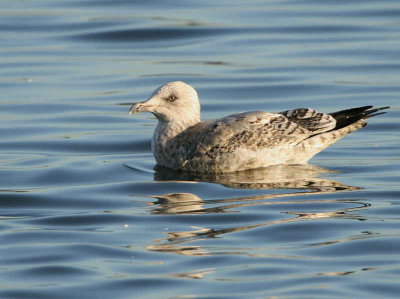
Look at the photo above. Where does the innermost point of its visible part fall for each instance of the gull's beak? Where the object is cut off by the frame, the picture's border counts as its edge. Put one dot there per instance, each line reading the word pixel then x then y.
pixel 141 107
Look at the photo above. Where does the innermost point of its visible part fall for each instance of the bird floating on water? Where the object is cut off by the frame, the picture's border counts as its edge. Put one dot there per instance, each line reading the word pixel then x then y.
pixel 240 141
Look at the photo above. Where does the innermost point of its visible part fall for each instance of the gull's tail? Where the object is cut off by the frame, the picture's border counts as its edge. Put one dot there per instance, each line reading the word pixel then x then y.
pixel 349 116
pixel 347 121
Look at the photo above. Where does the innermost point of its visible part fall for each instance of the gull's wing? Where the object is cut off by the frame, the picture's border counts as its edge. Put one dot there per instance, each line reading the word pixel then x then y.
pixel 314 121
pixel 250 130
pixel 256 139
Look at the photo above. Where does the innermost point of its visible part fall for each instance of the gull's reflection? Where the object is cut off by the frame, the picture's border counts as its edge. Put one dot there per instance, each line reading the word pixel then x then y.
pixel 278 177
pixel 187 203
pixel 174 240
pixel 304 176
pixel 291 178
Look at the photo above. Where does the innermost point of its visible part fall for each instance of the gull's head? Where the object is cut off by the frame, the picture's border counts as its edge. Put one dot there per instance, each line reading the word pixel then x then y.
pixel 170 102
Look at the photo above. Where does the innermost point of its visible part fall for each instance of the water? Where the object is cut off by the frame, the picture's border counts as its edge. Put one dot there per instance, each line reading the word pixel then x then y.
pixel 85 214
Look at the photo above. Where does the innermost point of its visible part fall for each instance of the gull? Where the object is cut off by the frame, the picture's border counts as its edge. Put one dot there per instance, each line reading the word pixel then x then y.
pixel 241 141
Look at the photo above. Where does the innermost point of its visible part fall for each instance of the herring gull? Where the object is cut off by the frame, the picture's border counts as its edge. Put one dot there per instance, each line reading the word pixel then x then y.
pixel 240 141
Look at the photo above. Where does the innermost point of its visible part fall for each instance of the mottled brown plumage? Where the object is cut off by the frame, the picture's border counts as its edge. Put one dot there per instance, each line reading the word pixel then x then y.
pixel 240 141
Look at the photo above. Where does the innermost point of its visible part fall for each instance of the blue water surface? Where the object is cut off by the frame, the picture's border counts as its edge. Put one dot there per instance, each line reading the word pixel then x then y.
pixel 83 212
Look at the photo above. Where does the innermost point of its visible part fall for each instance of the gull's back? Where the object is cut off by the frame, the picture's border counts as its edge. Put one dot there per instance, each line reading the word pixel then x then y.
pixel 259 139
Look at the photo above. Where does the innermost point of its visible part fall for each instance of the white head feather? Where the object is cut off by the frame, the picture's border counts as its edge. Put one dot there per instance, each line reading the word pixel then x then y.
pixel 172 102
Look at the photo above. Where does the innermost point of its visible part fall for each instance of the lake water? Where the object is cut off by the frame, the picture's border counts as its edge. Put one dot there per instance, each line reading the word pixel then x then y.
pixel 84 214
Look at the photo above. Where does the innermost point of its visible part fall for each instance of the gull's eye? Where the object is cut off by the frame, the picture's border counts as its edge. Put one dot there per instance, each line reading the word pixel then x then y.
pixel 172 98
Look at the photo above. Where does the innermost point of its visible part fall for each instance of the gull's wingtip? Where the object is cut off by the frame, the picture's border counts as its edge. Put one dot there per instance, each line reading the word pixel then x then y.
pixel 372 112
pixel 346 117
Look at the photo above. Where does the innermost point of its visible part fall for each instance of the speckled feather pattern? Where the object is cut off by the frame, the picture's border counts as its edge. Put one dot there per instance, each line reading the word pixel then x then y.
pixel 240 141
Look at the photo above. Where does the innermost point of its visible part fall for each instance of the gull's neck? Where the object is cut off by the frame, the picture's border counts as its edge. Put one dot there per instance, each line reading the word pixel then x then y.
pixel 167 130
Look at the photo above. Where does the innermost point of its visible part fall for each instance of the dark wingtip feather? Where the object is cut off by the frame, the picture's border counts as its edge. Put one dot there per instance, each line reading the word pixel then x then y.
pixel 375 114
pixel 349 116
pixel 351 111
